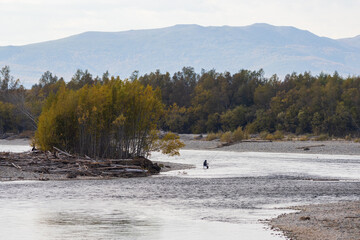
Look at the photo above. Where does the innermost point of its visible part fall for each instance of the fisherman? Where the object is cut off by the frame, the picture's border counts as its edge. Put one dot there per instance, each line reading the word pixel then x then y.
pixel 206 165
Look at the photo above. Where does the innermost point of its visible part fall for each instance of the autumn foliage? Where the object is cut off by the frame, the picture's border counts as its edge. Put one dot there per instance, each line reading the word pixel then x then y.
pixel 117 119
pixel 80 114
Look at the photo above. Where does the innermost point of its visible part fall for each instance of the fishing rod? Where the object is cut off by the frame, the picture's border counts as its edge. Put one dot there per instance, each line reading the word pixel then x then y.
pixel 213 157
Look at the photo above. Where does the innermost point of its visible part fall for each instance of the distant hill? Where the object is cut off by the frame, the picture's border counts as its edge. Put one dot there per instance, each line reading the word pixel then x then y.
pixel 355 41
pixel 278 50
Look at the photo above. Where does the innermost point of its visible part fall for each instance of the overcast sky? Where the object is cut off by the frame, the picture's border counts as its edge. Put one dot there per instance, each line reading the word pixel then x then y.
pixel 29 21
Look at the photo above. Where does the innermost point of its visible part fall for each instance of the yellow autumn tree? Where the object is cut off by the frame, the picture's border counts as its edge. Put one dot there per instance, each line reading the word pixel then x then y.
pixel 114 120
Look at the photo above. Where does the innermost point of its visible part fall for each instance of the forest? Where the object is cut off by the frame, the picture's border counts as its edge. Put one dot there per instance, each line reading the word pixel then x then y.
pixel 206 102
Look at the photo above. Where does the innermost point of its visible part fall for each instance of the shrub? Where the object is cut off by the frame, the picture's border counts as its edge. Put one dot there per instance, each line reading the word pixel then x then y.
pixel 252 128
pixel 226 137
pixel 278 135
pixel 269 137
pixel 213 136
pixel 238 135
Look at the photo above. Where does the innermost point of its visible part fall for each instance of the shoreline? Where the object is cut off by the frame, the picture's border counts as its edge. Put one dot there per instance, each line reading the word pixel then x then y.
pixel 337 147
pixel 304 147
pixel 41 166
pixel 8 174
pixel 331 221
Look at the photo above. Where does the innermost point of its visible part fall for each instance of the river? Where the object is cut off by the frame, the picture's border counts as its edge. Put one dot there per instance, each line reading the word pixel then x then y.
pixel 222 202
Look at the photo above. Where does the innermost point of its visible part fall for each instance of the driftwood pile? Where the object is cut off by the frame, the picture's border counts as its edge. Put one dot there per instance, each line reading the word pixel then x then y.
pixel 63 163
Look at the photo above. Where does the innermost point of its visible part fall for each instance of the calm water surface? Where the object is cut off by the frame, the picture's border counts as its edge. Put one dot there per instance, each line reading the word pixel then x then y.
pixel 223 202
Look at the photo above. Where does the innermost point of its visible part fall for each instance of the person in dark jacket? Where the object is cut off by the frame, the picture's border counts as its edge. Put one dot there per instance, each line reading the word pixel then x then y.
pixel 206 164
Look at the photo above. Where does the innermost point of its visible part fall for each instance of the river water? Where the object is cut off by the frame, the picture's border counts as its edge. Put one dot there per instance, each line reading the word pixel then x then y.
pixel 222 202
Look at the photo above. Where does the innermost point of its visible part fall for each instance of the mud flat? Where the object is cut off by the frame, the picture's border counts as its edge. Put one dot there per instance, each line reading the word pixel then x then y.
pixel 321 221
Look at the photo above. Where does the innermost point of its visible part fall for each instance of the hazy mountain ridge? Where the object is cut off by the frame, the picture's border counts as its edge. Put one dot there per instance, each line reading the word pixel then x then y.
pixel 354 42
pixel 278 50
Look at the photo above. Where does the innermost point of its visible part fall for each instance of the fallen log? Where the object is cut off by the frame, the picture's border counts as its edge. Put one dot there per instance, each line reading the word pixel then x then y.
pixel 308 147
pixel 63 152
pixel 256 141
pixel 16 166
pixel 119 167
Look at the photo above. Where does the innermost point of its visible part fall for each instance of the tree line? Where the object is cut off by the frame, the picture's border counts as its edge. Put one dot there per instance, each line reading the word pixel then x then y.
pixel 300 103
pixel 211 101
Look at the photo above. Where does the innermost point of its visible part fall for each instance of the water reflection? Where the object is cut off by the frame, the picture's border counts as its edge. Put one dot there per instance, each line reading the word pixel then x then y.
pixel 125 209
pixel 94 224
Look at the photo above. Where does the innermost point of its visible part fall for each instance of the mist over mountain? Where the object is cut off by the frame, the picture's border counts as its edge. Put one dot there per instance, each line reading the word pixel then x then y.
pixel 279 50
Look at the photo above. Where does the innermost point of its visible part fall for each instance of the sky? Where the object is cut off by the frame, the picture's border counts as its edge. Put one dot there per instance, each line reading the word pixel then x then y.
pixel 29 21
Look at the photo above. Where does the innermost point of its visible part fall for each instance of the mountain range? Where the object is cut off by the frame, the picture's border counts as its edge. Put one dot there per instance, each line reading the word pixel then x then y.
pixel 276 49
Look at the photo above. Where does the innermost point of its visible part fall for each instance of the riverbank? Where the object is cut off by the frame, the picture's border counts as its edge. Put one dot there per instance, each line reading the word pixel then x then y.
pixel 338 147
pixel 14 174
pixel 331 221
pixel 59 165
